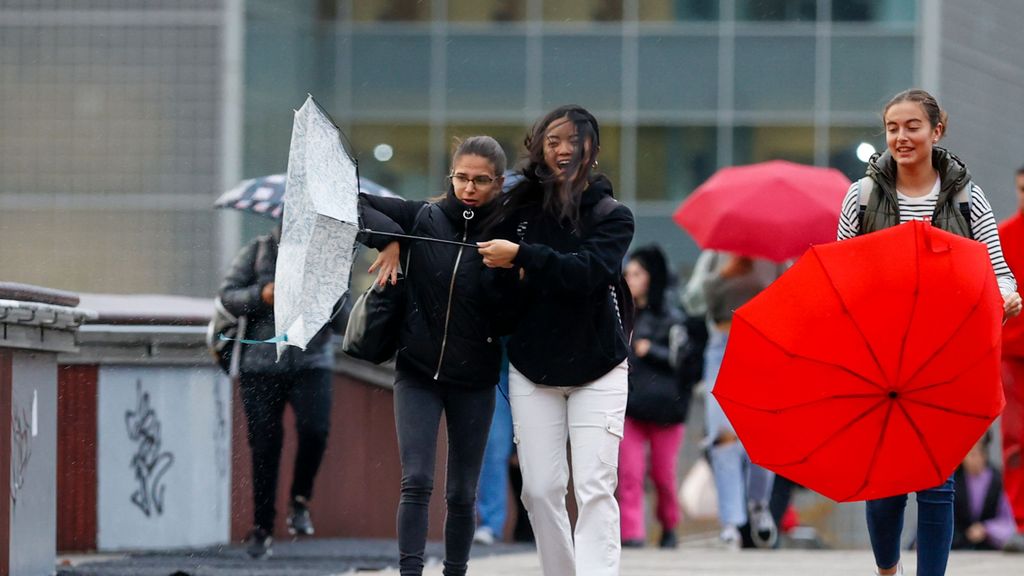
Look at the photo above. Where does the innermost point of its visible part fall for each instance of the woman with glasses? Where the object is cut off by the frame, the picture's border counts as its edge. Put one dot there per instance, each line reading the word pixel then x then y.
pixel 449 354
pixel 562 237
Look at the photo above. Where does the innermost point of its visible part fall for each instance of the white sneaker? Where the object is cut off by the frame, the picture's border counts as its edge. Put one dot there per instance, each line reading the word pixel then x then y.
pixel 483 536
pixel 731 539
pixel 899 570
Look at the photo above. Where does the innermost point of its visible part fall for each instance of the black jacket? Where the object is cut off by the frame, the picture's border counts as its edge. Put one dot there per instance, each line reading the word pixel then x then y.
pixel 448 333
pixel 657 390
pixel 568 331
pixel 240 293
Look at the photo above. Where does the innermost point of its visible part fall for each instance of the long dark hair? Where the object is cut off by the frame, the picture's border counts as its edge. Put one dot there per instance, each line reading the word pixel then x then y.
pixel 652 259
pixel 563 201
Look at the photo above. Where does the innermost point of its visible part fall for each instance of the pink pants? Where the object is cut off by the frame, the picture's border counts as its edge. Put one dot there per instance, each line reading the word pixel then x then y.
pixel 665 440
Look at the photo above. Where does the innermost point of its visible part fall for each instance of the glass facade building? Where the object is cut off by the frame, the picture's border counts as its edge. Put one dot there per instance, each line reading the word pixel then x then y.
pixel 681 87
pixel 123 120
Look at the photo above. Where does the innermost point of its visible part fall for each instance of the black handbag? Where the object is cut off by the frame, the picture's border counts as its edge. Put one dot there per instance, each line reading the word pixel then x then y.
pixel 376 318
pixel 374 323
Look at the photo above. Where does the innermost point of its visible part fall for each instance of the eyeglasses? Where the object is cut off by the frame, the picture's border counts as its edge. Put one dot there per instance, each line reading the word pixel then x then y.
pixel 478 181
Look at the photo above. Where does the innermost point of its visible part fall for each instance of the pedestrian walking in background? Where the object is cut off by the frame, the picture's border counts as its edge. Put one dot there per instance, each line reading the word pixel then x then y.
pixel 982 518
pixel 913 179
pixel 449 353
pixel 300 378
pixel 726 282
pixel 492 495
pixel 1011 235
pixel 659 399
pixel 562 237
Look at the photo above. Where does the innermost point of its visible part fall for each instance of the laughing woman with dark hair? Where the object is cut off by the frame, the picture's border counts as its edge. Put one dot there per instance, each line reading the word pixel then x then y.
pixel 562 237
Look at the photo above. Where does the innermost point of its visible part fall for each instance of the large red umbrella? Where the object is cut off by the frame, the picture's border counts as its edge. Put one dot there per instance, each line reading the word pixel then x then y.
pixel 870 367
pixel 773 210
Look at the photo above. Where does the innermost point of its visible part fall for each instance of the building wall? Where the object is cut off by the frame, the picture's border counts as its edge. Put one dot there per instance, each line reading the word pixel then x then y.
pixel 110 147
pixel 981 81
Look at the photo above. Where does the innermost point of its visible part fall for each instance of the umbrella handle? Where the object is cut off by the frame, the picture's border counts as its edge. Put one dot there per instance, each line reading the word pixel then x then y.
pixel 410 237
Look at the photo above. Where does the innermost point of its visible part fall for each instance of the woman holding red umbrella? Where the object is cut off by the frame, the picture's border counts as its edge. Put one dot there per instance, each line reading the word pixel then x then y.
pixel 916 180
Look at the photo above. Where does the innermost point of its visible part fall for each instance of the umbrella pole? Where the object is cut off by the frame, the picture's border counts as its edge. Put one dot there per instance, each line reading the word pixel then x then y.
pixel 409 237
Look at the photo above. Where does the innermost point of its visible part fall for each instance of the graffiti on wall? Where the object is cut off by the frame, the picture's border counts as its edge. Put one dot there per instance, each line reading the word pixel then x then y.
pixel 21 443
pixel 149 462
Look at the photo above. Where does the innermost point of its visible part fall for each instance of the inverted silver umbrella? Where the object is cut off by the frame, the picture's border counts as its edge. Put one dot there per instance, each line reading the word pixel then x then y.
pixel 319 228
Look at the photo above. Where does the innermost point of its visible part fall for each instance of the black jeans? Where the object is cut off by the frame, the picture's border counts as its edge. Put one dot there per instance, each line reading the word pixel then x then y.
pixel 419 402
pixel 264 397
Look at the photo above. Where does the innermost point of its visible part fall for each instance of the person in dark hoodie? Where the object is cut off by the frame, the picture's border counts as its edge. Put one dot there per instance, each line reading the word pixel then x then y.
pixel 562 237
pixel 449 355
pixel 659 399
pixel 300 378
pixel 916 180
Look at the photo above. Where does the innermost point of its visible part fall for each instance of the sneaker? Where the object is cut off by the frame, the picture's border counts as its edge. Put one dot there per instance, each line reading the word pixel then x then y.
pixel 668 540
pixel 484 536
pixel 258 543
pixel 730 537
pixel 1015 544
pixel 299 522
pixel 633 543
pixel 899 570
pixel 763 531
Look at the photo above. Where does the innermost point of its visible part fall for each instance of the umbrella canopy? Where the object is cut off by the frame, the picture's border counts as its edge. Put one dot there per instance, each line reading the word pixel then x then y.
pixel 319 229
pixel 773 210
pixel 870 367
pixel 265 195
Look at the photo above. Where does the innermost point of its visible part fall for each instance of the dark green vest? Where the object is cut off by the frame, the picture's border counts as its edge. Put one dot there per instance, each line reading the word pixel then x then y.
pixel 879 207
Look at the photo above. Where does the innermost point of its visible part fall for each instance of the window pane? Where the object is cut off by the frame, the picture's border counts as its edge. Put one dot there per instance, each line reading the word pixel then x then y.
pixel 391 72
pixel 390 10
pixel 776 10
pixel 874 10
pixel 664 84
pixel 672 161
pixel 867 71
pixel 775 73
pixel 486 72
pixel 843 144
pixel 582 10
pixel 683 10
pixel 486 10
pixel 761 143
pixel 405 170
pixel 586 70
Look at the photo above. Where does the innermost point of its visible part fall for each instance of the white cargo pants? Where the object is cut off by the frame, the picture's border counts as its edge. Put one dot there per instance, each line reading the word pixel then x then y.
pixel 591 418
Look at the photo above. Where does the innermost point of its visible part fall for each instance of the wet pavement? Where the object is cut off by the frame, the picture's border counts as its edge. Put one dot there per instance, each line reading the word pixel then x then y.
pixel 695 557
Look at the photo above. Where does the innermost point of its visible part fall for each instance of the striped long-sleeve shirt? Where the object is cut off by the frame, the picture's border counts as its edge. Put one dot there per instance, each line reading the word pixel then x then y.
pixel 983 224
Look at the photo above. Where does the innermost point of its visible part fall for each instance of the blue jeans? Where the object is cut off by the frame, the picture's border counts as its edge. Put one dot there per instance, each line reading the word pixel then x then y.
pixel 934 528
pixel 737 479
pixel 492 494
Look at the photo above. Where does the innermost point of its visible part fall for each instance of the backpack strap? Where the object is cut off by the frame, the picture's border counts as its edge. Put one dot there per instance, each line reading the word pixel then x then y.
pixel 865 187
pixel 621 297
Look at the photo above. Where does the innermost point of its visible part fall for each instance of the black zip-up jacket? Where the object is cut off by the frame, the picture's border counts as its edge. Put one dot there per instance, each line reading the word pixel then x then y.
pixel 569 331
pixel 657 390
pixel 240 293
pixel 448 333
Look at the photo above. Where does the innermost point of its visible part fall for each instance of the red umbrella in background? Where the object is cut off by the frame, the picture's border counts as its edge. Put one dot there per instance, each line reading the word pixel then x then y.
pixel 773 210
pixel 871 366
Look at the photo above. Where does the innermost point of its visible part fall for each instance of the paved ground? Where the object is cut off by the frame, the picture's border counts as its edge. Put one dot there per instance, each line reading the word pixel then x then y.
pixel 696 557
